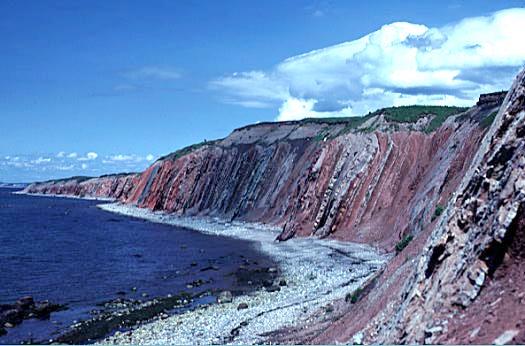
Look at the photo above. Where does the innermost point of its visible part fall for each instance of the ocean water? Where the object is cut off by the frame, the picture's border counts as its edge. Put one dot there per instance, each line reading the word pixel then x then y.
pixel 70 252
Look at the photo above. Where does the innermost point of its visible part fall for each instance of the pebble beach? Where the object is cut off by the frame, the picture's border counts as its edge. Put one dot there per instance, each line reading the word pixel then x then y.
pixel 313 274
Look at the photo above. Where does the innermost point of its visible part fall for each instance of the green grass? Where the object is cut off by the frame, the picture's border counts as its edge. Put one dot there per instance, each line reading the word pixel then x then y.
pixel 488 120
pixel 320 136
pixel 437 213
pixel 411 114
pixel 353 123
pixel 186 150
pixel 403 243
pixel 79 178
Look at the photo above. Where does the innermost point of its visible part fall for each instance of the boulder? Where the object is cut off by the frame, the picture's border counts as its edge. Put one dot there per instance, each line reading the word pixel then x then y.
pixel 225 297
pixel 242 306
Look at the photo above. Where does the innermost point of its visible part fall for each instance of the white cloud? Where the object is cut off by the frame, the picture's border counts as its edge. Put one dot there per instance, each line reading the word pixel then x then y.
pixel 41 160
pixel 153 72
pixel 65 167
pixel 121 157
pixel 125 158
pixel 61 154
pixel 399 64
pixel 84 166
pixel 89 156
pixel 294 109
pixel 72 155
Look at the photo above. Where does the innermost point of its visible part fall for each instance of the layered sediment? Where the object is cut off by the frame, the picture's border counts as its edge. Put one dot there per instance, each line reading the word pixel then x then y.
pixel 443 190
pixel 371 182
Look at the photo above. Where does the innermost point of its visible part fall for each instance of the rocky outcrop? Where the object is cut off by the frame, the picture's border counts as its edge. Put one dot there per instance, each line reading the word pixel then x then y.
pixel 370 179
pixel 462 279
pixel 480 233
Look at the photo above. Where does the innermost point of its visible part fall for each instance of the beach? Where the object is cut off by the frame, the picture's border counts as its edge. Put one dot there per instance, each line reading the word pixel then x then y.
pixel 313 274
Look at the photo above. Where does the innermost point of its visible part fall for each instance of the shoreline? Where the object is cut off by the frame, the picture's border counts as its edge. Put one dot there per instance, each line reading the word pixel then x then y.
pixel 316 272
pixel 88 198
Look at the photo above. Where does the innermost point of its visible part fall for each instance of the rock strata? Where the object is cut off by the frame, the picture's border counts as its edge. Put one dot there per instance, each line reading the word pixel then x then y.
pixel 444 192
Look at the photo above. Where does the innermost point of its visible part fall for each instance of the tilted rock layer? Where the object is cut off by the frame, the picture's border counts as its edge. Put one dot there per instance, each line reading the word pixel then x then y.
pixel 311 178
pixel 455 189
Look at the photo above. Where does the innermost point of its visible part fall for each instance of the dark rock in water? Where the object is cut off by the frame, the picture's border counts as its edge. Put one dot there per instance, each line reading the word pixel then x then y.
pixel 25 302
pixel 267 283
pixel 225 297
pixel 282 282
pixel 242 306
pixel 2 331
pixel 244 323
pixel 12 316
pixel 193 264
pixel 209 268
pixel 273 289
pixel 121 293
pixel 44 309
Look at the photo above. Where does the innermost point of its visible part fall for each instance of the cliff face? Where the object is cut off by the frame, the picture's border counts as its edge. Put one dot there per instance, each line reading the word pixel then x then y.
pixel 461 280
pixel 117 186
pixel 455 184
pixel 471 271
pixel 373 180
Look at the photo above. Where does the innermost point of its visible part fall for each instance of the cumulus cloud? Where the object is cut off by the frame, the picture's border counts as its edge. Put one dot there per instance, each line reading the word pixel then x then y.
pixel 399 64
pixel 34 167
pixel 89 156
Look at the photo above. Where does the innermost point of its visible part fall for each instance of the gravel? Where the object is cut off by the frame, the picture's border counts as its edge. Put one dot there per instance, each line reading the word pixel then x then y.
pixel 316 273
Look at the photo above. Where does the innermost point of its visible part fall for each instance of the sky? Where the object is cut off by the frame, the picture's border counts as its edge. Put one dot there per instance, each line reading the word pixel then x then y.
pixel 96 87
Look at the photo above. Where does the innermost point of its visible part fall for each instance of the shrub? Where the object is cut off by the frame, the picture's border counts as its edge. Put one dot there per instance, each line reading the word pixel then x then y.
pixel 437 213
pixel 354 296
pixel 320 136
pixel 403 243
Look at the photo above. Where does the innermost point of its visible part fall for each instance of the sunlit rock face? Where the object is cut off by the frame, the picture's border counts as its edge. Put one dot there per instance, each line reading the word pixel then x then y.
pixel 452 182
pixel 370 180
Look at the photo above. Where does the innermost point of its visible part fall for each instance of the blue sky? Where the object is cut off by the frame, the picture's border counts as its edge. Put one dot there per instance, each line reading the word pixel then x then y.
pixel 93 87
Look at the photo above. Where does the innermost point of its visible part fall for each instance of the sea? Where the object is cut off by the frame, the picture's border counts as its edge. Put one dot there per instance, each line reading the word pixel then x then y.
pixel 70 252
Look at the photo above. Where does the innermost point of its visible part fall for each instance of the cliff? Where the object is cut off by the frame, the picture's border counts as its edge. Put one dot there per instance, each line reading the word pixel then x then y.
pixel 373 179
pixel 461 280
pixel 440 186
